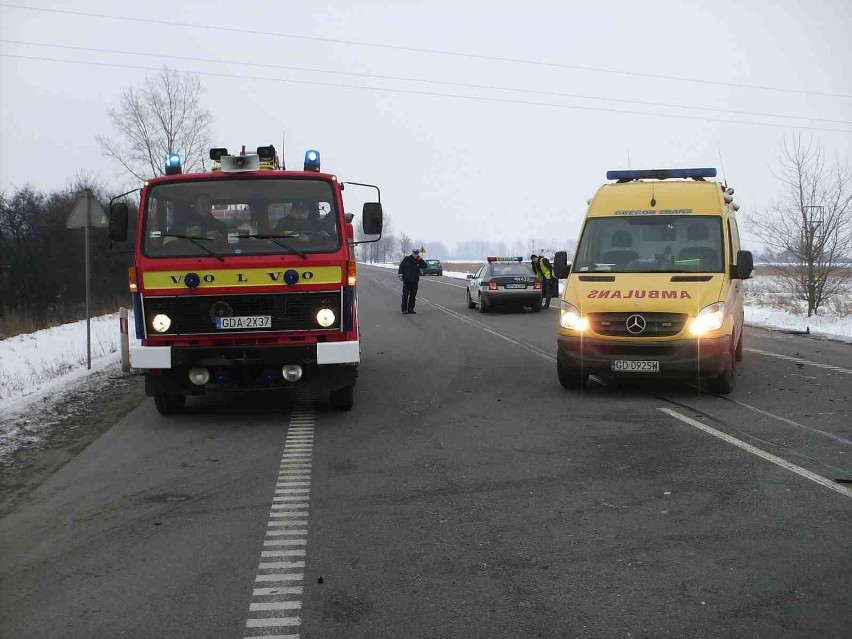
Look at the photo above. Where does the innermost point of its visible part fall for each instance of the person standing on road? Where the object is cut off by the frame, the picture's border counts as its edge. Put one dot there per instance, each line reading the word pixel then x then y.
pixel 409 273
pixel 544 271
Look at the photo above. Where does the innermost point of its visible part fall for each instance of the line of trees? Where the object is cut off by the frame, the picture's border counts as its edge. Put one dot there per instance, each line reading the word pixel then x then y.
pixel 42 263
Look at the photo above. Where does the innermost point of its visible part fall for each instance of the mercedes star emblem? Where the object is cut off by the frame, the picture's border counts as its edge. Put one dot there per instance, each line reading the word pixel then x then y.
pixel 635 324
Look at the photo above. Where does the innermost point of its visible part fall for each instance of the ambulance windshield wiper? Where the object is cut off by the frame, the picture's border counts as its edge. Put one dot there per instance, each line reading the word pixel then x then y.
pixel 284 245
pixel 195 241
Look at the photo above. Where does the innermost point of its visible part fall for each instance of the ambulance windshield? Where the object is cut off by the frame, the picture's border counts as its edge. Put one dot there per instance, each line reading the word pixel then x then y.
pixel 225 217
pixel 643 244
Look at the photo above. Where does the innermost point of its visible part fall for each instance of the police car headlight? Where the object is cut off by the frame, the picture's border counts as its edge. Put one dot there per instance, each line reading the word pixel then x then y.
pixel 709 319
pixel 569 317
pixel 325 317
pixel 161 322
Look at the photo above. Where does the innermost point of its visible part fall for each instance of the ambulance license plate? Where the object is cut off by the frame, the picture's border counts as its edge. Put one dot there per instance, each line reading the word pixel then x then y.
pixel 244 321
pixel 635 366
pixel 514 286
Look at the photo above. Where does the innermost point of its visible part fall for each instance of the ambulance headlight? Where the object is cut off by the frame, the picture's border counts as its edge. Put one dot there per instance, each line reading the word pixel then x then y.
pixel 709 319
pixel 569 317
pixel 161 322
pixel 325 317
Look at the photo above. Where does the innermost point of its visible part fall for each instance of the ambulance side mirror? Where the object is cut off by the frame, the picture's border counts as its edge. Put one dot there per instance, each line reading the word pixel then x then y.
pixel 560 264
pixel 744 266
pixel 371 218
pixel 118 213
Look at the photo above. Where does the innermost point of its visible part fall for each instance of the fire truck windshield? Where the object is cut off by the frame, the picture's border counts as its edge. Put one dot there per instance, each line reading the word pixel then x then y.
pixel 225 217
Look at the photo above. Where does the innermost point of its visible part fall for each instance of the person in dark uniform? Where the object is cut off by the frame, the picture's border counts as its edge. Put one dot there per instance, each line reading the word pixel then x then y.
pixel 409 273
pixel 201 222
pixel 299 224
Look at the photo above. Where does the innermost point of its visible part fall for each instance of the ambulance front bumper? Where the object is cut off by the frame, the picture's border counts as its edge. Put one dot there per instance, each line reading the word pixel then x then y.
pixel 676 358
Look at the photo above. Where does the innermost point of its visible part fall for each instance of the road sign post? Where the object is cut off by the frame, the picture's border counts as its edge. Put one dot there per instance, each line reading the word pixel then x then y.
pixel 87 213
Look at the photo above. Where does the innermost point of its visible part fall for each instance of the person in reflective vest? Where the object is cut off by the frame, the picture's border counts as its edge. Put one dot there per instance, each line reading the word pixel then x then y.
pixel 549 284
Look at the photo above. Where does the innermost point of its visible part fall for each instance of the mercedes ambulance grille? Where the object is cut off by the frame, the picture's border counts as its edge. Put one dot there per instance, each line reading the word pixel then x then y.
pixel 656 324
pixel 191 315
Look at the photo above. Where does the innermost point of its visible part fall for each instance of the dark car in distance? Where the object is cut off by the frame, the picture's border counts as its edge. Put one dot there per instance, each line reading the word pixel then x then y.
pixel 433 267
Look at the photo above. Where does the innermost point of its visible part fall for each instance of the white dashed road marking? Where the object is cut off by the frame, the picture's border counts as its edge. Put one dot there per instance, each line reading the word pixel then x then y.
pixel 783 463
pixel 280 572
pixel 799 360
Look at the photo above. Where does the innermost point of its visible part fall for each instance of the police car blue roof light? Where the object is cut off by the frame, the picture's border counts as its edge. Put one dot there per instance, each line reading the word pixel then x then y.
pixel 661 174
pixel 312 160
pixel 172 164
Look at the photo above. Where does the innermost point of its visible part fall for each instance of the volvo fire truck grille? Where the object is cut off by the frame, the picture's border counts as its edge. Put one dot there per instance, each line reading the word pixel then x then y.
pixel 637 324
pixel 196 314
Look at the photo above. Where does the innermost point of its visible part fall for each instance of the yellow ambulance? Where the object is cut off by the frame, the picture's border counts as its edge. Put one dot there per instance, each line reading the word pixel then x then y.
pixel 655 289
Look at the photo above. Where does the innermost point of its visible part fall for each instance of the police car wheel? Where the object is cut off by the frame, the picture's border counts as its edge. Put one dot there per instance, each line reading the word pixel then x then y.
pixel 570 379
pixel 168 403
pixel 483 305
pixel 470 302
pixel 536 308
pixel 342 398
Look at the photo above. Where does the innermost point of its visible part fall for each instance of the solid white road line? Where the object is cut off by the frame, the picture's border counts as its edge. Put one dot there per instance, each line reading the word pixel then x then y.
pixel 273 622
pixel 276 605
pixel 783 463
pixel 799 360
pixel 284 590
pixel 817 431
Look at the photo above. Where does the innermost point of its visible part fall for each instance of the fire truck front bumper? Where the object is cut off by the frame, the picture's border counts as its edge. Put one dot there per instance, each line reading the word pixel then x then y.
pixel 195 370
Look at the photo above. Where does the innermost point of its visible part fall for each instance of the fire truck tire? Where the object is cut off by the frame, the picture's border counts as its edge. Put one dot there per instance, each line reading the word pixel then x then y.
pixel 168 403
pixel 342 398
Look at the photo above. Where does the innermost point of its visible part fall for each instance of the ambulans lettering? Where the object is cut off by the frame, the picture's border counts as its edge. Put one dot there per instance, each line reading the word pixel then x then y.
pixel 638 294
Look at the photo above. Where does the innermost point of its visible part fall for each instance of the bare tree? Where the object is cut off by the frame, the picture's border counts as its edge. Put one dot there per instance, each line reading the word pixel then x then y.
pixel 811 223
pixel 404 243
pixel 163 116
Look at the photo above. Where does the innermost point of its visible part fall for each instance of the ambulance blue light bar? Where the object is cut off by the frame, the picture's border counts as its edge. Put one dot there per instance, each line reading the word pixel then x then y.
pixel 661 174
pixel 312 160
pixel 172 164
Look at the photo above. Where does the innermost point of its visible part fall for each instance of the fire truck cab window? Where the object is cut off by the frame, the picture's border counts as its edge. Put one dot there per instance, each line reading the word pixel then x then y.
pixel 240 217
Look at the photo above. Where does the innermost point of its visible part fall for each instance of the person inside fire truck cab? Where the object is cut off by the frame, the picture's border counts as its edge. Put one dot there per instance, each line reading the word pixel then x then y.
pixel 201 222
pixel 301 223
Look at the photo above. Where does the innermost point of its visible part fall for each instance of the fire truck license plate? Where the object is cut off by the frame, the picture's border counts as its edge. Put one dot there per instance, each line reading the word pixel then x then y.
pixel 245 321
pixel 635 366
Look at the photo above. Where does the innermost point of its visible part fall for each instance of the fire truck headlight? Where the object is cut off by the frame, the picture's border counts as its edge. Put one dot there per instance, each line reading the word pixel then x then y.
pixel 161 322
pixel 199 376
pixel 709 319
pixel 325 317
pixel 569 317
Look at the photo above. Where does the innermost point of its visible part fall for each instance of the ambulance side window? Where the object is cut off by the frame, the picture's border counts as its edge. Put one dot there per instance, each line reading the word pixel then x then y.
pixel 733 239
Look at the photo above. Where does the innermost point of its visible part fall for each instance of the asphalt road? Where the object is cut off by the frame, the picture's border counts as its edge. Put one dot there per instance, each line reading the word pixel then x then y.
pixel 466 495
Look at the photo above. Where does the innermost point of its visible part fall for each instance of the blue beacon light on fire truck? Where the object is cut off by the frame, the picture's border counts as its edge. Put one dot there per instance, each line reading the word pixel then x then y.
pixel 312 160
pixel 172 164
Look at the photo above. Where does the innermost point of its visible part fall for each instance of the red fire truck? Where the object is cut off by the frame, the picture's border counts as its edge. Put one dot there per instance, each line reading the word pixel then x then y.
pixel 244 278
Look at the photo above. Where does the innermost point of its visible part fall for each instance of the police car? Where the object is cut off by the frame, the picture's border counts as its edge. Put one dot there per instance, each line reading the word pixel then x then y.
pixel 504 281
pixel 433 267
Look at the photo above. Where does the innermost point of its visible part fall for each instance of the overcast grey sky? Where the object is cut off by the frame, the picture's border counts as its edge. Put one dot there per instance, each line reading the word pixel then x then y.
pixel 450 168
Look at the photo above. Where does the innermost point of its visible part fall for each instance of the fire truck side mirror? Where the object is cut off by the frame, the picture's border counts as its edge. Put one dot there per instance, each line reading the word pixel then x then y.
pixel 372 218
pixel 560 264
pixel 118 222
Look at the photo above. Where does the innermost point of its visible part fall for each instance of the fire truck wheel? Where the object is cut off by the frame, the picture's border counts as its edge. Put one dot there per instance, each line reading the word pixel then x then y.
pixel 168 404
pixel 342 398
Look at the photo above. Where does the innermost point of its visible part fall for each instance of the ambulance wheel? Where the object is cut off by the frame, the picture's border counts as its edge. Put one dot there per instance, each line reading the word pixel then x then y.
pixel 723 383
pixel 168 403
pixel 739 351
pixel 483 305
pixel 570 379
pixel 342 398
pixel 470 302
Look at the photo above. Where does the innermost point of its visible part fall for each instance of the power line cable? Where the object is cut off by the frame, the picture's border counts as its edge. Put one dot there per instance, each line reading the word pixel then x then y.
pixel 466 85
pixel 459 54
pixel 431 94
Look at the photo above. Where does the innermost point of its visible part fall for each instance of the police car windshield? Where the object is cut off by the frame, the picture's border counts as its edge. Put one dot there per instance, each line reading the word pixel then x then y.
pixel 240 217
pixel 511 268
pixel 644 244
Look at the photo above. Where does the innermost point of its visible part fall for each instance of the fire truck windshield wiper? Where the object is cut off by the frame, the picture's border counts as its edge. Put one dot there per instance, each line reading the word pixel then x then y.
pixel 195 241
pixel 284 245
